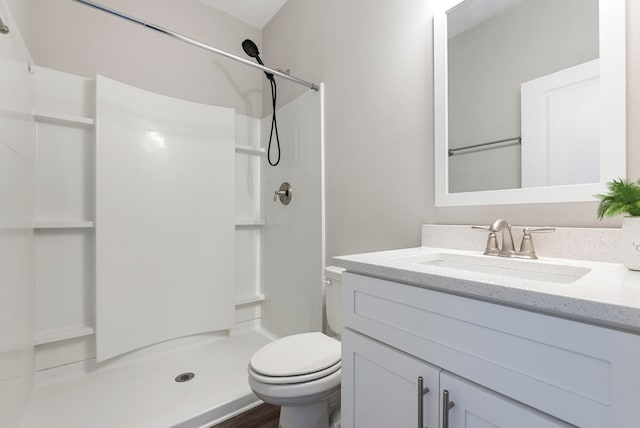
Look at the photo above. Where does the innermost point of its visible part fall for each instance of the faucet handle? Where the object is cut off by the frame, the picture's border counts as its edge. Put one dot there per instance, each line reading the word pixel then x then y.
pixel 492 242
pixel 487 228
pixel 529 230
pixel 526 247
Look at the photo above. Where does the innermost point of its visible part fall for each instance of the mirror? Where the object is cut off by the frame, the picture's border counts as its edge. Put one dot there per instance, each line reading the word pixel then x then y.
pixel 529 100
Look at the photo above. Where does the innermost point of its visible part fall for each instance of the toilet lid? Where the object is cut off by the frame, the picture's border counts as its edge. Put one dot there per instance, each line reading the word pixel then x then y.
pixel 296 355
pixel 305 378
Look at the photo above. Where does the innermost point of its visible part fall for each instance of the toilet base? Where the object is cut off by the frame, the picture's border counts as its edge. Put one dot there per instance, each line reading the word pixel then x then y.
pixel 318 414
pixel 313 415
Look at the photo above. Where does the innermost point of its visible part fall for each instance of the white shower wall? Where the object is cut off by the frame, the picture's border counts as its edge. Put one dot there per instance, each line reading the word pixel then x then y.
pixel 17 165
pixel 295 233
pixel 164 242
pixel 65 243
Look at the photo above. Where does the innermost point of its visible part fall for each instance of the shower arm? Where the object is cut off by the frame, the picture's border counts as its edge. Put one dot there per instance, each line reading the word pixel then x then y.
pixel 198 44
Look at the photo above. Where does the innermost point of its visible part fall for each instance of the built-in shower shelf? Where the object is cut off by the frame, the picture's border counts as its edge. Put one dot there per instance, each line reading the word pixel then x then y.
pixel 58 224
pixel 249 298
pixel 64 119
pixel 249 224
pixel 250 150
pixel 60 334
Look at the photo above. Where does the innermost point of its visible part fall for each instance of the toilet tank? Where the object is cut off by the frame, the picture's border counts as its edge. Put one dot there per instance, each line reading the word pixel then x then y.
pixel 333 297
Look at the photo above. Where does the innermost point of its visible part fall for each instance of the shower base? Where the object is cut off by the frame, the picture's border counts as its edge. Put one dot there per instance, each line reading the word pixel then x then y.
pixel 140 390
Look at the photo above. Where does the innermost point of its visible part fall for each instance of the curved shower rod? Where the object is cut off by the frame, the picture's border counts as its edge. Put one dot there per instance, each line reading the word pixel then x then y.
pixel 198 44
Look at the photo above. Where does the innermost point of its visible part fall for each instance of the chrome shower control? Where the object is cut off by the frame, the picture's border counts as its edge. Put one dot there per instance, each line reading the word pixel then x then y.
pixel 285 193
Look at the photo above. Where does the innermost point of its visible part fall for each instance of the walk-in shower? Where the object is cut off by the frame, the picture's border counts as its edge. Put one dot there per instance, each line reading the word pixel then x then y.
pixel 89 350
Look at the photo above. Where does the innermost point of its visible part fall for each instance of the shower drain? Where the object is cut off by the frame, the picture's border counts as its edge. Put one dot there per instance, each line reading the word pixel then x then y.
pixel 184 377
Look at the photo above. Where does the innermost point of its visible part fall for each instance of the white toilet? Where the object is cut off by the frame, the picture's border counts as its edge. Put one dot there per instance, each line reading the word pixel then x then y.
pixel 301 373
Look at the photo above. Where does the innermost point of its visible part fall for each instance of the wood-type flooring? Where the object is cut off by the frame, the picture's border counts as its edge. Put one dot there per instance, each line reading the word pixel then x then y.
pixel 262 416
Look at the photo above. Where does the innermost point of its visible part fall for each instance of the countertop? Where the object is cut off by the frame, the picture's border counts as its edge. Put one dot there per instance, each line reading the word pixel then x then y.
pixel 608 295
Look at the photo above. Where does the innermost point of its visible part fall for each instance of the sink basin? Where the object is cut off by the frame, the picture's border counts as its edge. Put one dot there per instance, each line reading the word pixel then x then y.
pixel 509 267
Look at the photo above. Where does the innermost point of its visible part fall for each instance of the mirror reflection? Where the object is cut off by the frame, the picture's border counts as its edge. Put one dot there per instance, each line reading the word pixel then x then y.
pixel 522 94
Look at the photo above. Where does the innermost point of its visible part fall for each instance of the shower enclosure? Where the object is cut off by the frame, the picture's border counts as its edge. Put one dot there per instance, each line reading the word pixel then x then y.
pixel 80 258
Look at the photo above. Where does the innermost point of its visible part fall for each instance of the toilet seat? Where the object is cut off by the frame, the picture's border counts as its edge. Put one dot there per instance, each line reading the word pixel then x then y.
pixel 281 380
pixel 296 393
pixel 298 358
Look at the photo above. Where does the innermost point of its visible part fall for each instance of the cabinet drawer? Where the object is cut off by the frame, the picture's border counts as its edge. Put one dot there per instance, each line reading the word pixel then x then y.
pixel 582 374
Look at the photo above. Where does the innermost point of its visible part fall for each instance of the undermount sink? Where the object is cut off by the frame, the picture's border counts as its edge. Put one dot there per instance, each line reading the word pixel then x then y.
pixel 509 267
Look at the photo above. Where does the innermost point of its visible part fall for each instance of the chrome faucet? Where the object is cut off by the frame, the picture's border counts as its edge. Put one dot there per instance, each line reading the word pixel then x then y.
pixel 507 249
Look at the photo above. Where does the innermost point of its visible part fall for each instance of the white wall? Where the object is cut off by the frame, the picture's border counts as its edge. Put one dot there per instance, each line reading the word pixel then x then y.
pixel 71 37
pixel 376 59
pixel 17 163
pixel 65 240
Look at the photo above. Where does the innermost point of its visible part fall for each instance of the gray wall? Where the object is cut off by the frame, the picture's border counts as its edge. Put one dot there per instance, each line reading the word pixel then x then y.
pixel 376 58
pixel 84 41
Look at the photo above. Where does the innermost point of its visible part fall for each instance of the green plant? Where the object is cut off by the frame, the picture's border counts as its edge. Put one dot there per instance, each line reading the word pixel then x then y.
pixel 623 197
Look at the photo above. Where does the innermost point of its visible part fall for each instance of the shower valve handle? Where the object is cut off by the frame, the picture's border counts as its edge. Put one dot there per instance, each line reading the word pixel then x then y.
pixel 278 193
pixel 285 192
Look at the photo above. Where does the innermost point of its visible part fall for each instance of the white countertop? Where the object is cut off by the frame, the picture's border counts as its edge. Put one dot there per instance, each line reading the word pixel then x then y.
pixel 608 295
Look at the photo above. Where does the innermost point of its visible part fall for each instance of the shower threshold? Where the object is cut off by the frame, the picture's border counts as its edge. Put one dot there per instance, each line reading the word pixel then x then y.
pixel 141 390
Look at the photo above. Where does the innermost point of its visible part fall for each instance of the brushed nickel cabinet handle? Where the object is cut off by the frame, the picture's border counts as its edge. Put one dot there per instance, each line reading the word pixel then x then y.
pixel 446 406
pixel 421 392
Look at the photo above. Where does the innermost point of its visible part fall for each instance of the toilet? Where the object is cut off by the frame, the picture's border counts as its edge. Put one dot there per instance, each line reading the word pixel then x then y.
pixel 301 372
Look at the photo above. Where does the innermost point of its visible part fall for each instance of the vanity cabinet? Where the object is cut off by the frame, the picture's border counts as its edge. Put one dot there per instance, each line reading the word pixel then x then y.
pixel 385 391
pixel 384 384
pixel 501 366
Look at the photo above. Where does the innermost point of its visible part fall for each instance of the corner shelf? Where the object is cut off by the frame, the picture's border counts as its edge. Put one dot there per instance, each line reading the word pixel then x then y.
pixel 60 334
pixel 249 224
pixel 64 119
pixel 250 150
pixel 57 224
pixel 249 298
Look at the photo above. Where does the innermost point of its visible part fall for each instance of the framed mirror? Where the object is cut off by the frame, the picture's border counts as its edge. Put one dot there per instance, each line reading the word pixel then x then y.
pixel 530 100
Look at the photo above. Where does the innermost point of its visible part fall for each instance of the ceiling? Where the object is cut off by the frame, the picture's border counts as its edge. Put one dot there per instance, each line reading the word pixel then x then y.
pixel 256 13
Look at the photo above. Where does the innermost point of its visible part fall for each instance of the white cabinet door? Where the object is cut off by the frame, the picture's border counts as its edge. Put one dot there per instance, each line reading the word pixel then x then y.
pixel 478 407
pixel 380 386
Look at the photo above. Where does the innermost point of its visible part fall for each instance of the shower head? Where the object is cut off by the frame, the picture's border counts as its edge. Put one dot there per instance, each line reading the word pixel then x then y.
pixel 251 49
